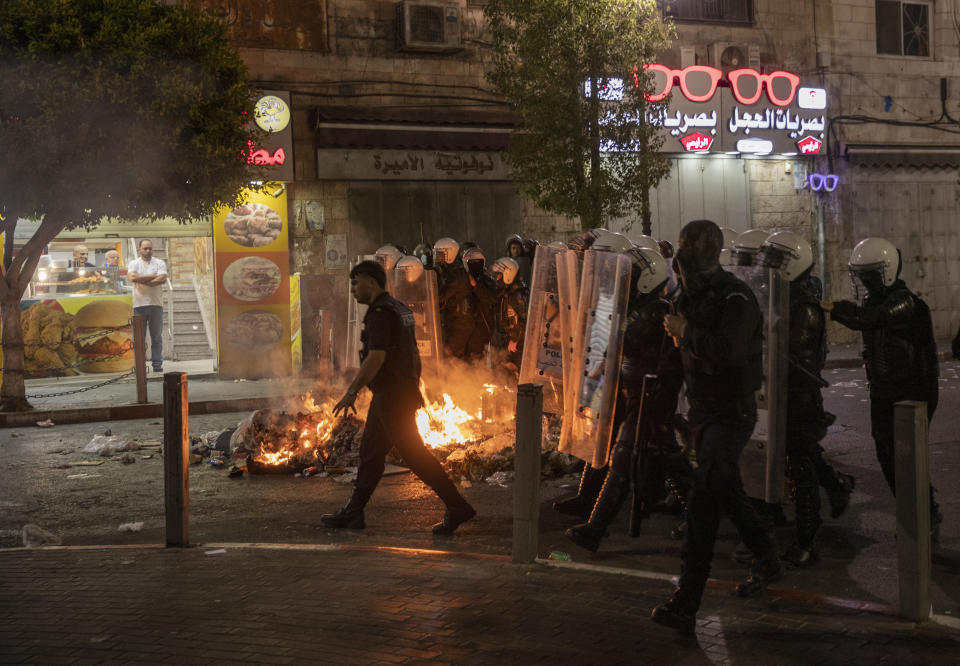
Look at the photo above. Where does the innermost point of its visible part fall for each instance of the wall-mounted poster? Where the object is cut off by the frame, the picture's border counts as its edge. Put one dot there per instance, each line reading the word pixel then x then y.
pixel 252 269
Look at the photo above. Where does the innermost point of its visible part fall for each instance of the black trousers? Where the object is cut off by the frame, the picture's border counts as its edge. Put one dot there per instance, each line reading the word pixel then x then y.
pixel 881 426
pixel 457 332
pixel 392 422
pixel 718 490
pixel 806 466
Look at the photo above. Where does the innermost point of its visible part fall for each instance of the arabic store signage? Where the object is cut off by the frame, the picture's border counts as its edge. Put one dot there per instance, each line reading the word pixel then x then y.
pixel 271 113
pixel 748 109
pixel 333 164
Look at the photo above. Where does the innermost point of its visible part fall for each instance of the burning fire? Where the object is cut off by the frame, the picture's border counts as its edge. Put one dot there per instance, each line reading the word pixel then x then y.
pixel 306 437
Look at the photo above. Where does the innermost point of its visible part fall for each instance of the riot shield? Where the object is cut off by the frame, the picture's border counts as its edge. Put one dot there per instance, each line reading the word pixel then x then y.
pixel 418 291
pixel 542 361
pixel 568 290
pixel 355 314
pixel 762 463
pixel 598 346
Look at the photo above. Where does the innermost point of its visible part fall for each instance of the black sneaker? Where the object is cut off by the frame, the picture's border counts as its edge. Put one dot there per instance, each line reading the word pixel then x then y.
pixel 351 518
pixel 800 556
pixel 573 506
pixel 672 614
pixel 585 536
pixel 839 497
pixel 453 518
pixel 762 572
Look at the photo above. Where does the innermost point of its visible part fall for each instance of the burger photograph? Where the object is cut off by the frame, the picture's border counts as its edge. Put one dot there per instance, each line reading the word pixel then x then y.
pixel 104 338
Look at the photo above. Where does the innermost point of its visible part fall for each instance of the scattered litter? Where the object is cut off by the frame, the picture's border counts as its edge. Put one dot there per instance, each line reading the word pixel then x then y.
pixel 15 434
pixel 150 444
pixel 130 527
pixel 84 463
pixel 348 477
pixel 236 472
pixel 215 462
pixel 310 471
pixel 196 458
pixel 107 432
pixel 501 479
pixel 218 551
pixel 465 483
pixel 127 458
pixel 107 445
pixel 46 424
pixel 82 476
pixel 146 457
pixel 34 536
pixel 853 384
pixel 558 556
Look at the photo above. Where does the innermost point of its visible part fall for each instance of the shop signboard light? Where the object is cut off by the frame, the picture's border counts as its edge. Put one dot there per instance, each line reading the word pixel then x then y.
pixel 812 98
pixel 755 146
pixel 823 181
pixel 696 142
pixel 809 145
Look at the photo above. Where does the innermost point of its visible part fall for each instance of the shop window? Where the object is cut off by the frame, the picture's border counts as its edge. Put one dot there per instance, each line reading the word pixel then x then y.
pixel 720 11
pixel 903 28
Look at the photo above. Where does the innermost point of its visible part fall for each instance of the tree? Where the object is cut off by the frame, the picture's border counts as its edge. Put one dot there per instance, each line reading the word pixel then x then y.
pixel 582 148
pixel 111 108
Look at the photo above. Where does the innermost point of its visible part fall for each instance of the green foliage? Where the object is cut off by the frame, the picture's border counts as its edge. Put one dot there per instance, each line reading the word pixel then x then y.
pixel 545 51
pixel 119 108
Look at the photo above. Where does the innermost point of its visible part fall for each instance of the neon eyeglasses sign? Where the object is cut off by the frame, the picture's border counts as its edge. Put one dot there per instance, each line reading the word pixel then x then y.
pixel 699 83
pixel 823 181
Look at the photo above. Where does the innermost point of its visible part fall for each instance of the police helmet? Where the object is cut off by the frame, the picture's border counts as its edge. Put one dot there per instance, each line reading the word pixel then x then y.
pixel 612 241
pixel 647 243
pixel 729 237
pixel 424 253
pixel 513 239
pixel 788 252
pixel 649 269
pixel 747 245
pixel 507 268
pixel 876 255
pixel 409 269
pixel 445 251
pixel 388 256
pixel 530 247
pixel 473 253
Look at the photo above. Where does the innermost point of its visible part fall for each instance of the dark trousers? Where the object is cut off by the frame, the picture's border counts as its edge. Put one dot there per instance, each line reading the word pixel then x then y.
pixel 881 426
pixel 806 466
pixel 717 490
pixel 392 423
pixel 457 332
pixel 153 322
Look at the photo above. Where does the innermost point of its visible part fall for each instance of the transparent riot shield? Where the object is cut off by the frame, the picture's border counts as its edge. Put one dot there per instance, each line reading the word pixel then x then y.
pixel 355 314
pixel 417 289
pixel 568 290
pixel 598 347
pixel 542 361
pixel 762 463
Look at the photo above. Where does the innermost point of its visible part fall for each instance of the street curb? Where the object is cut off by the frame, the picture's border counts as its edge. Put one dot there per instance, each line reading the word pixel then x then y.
pixel 125 412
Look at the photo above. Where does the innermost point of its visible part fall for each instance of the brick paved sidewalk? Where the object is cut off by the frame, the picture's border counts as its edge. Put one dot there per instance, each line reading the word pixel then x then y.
pixel 324 605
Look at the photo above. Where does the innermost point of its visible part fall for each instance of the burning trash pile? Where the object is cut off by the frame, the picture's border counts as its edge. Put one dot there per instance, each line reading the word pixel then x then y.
pixel 471 432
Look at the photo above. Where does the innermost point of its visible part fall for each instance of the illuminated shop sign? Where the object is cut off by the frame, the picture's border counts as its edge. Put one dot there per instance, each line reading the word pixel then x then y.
pixel 271 113
pixel 823 181
pixel 765 113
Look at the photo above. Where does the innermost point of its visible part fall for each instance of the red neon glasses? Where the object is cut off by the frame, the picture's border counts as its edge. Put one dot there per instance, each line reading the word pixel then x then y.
pixel 693 81
pixel 748 85
pixel 699 83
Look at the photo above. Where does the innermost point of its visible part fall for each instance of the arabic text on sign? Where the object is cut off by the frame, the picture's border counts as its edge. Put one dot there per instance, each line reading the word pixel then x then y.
pixel 263 157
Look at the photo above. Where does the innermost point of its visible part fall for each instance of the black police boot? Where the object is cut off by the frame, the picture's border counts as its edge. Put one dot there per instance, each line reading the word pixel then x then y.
pixel 676 614
pixel 453 517
pixel 581 504
pixel 762 571
pixel 679 486
pixel 348 516
pixel 838 493
pixel 589 534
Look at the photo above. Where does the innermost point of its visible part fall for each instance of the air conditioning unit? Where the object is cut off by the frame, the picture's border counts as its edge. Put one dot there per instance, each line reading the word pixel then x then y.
pixel 428 26
pixel 727 56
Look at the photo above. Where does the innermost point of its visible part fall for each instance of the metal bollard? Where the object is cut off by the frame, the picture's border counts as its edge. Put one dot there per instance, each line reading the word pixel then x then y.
pixel 176 457
pixel 139 328
pixel 526 483
pixel 913 509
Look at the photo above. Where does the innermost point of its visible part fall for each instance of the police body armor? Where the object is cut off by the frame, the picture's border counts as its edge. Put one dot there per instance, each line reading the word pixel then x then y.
pixel 485 303
pixel 511 315
pixel 808 340
pixel 601 322
pixel 648 351
pixel 900 356
pixel 400 375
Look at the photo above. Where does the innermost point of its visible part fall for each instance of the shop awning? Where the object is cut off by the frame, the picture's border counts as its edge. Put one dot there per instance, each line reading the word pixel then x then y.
pixel 916 157
pixel 410 129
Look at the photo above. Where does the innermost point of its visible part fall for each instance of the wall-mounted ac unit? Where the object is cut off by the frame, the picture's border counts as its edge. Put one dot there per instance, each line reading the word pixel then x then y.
pixel 727 56
pixel 428 26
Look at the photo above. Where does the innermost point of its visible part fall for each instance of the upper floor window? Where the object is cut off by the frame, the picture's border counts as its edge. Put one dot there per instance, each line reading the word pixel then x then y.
pixel 723 11
pixel 903 28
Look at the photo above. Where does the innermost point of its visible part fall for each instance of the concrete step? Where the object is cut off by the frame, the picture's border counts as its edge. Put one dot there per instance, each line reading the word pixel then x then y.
pixel 190 338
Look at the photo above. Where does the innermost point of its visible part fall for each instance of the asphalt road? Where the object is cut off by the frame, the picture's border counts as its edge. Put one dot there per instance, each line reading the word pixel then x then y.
pixel 87 504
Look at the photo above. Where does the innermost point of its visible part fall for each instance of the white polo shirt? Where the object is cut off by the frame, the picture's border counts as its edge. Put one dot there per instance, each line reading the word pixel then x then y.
pixel 144 294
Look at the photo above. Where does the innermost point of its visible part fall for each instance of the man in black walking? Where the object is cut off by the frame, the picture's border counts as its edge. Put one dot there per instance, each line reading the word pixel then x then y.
pixel 718 330
pixel 390 367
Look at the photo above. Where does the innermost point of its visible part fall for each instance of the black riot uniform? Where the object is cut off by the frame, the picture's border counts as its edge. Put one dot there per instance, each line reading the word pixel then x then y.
pixel 456 308
pixel 646 350
pixel 391 420
pixel 806 466
pixel 511 322
pixel 484 294
pixel 900 355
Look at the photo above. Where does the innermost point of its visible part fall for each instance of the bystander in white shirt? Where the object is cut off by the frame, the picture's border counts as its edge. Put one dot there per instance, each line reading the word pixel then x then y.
pixel 147 294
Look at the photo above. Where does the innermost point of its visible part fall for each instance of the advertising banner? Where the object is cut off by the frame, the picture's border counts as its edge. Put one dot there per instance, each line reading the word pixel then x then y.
pixel 251 266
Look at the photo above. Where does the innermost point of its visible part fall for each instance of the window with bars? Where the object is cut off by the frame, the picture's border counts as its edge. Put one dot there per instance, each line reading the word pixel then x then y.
pixel 719 11
pixel 903 28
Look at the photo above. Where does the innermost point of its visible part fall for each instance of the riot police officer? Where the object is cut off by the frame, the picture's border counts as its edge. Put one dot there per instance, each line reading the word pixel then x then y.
pixel 484 292
pixel 390 367
pixel 511 312
pixel 746 246
pixel 899 349
pixel 718 329
pixel 646 350
pixel 455 295
pixel 806 466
